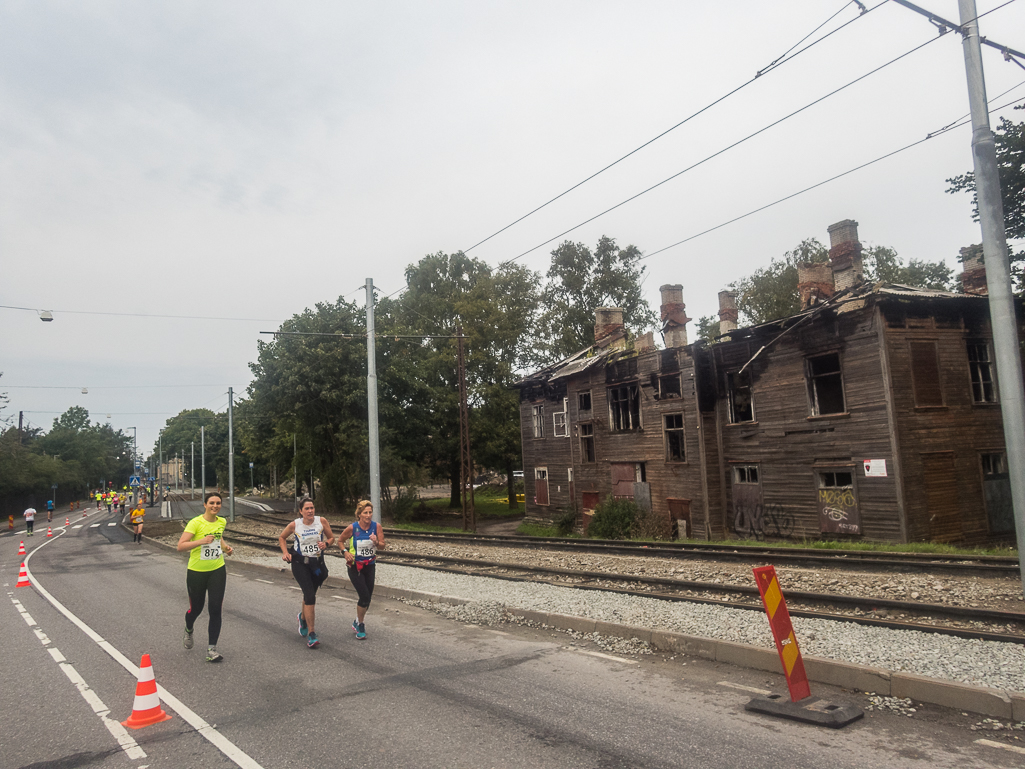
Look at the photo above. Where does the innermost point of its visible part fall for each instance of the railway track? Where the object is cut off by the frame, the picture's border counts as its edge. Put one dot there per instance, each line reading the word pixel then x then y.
pixel 996 625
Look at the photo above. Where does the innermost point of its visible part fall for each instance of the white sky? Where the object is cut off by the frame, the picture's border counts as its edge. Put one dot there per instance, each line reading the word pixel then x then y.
pixel 249 159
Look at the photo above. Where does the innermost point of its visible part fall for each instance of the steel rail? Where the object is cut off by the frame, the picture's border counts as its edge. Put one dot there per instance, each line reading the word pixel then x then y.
pixel 954 612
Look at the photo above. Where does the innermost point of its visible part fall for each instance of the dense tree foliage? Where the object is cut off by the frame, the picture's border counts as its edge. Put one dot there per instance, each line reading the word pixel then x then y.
pixel 75 454
pixel 771 292
pixel 578 282
pixel 194 427
pixel 1010 152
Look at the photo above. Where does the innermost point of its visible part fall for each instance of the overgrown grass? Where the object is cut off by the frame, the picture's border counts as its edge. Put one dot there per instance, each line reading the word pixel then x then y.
pixel 427 527
pixel 536 530
pixel 486 507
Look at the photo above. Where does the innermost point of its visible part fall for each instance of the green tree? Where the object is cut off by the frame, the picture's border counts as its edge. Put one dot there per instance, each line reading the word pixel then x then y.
pixel 198 427
pixel 1010 152
pixel 708 328
pixel 771 292
pixel 882 265
pixel 579 281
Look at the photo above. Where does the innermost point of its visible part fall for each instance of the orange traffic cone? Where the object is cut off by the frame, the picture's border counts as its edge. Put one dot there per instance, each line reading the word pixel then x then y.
pixel 83 514
pixel 67 521
pixel 49 531
pixel 146 710
pixel 23 577
pixel 21 548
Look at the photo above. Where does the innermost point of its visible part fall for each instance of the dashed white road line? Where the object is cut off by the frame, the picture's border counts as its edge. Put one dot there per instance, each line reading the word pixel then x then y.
pixel 741 687
pixel 264 580
pixel 112 523
pixel 93 525
pixel 1003 746
pixel 77 526
pixel 239 757
pixel 117 731
pixel 606 656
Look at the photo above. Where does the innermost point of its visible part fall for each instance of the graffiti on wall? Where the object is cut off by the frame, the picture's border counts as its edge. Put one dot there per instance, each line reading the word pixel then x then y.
pixel 838 511
pixel 760 521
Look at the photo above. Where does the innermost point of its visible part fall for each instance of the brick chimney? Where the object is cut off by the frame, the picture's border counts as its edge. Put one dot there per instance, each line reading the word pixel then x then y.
pixel 973 279
pixel 674 315
pixel 845 254
pixel 727 311
pixel 608 326
pixel 814 283
pixel 645 342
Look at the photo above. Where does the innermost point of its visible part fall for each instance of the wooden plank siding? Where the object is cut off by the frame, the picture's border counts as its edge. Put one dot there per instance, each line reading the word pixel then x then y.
pixel 644 445
pixel 958 426
pixel 789 444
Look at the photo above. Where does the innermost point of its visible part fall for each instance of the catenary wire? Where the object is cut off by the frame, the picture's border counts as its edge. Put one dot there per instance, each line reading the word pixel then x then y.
pixel 956 124
pixel 723 150
pixel 774 65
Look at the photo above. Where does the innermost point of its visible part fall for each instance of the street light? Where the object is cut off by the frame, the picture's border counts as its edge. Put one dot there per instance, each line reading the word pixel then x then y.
pixel 135 452
pixel 46 316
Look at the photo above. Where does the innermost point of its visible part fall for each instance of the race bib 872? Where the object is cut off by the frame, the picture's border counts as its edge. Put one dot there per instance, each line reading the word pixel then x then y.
pixel 210 552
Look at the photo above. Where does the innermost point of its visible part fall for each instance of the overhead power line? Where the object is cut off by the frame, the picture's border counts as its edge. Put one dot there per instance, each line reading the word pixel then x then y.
pixel 779 62
pixel 950 127
pixel 724 149
pixel 141 314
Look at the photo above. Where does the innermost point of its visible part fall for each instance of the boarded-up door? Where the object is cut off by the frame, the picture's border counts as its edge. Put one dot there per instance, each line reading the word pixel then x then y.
pixel 623 477
pixel 941 498
pixel 996 489
pixel 589 501
pixel 679 511
pixel 747 500
pixel 541 485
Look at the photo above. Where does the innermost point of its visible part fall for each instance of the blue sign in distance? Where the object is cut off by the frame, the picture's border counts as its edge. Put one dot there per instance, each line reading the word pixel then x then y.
pixel 134 481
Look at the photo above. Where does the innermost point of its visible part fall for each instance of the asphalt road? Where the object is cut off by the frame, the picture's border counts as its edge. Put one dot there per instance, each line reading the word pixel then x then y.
pixel 420 691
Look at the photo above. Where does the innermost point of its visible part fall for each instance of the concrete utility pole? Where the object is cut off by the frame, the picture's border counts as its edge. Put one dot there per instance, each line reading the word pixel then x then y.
pixel 160 465
pixel 231 456
pixel 295 474
pixel 202 458
pixel 998 274
pixel 192 473
pixel 375 448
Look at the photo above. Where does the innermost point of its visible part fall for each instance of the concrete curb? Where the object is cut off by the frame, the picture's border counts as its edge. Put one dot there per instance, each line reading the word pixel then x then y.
pixel 995 703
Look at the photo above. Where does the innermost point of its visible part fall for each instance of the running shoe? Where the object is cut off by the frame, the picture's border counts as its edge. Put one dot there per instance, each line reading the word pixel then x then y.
pixel 212 655
pixel 187 640
pixel 361 631
pixel 313 642
pixel 303 629
pixel 355 626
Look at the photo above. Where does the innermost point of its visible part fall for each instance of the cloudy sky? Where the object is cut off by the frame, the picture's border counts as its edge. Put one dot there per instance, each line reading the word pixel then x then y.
pixel 245 160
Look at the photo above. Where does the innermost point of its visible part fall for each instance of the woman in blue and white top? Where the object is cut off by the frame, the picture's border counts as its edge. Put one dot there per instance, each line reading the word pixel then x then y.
pixel 313 535
pixel 365 538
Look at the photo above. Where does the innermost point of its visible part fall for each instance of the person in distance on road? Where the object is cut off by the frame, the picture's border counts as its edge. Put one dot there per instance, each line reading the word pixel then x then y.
pixel 138 514
pixel 206 575
pixel 364 537
pixel 30 520
pixel 49 511
pixel 313 536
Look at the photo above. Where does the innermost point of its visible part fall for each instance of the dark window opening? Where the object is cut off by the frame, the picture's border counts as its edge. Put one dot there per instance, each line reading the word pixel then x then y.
pixel 587 442
pixel 981 367
pixel 745 474
pixel 925 374
pixel 539 421
pixel 625 407
pixel 825 385
pixel 836 480
pixel 675 451
pixel 738 387
pixel 994 466
pixel 669 386
pixel 584 401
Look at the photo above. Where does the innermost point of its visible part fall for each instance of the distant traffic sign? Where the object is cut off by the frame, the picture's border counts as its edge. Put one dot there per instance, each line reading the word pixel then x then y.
pixel 134 482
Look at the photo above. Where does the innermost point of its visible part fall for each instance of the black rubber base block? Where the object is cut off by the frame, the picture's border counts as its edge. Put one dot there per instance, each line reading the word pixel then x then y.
pixel 810 710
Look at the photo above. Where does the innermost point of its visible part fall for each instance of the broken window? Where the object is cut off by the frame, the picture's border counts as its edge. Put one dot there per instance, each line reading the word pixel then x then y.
pixel 559 421
pixel 980 366
pixel 673 425
pixel 669 386
pixel 825 385
pixel 584 401
pixel 838 503
pixel 625 407
pixel 587 442
pixel 925 374
pixel 738 390
pixel 745 474
pixel 541 485
pixel 539 420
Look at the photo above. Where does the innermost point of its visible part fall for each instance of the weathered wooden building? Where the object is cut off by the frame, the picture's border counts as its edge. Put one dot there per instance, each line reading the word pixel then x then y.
pixel 871 414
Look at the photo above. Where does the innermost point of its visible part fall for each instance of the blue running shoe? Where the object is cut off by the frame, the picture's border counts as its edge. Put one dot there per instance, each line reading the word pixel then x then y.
pixel 303 629
pixel 355 626
pixel 313 642
pixel 361 631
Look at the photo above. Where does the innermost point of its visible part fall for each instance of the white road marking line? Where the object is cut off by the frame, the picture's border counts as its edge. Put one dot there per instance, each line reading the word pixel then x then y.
pixel 93 525
pixel 343 598
pixel 77 526
pixel 741 687
pixel 497 632
pixel 607 657
pixel 112 523
pixel 117 731
pixel 265 580
pixel 241 759
pixel 292 587
pixel 994 744
pixel 28 619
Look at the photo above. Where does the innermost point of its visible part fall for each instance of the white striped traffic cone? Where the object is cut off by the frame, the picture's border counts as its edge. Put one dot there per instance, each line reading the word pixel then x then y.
pixel 21 548
pixel 146 710
pixel 23 577
pixel 67 521
pixel 49 531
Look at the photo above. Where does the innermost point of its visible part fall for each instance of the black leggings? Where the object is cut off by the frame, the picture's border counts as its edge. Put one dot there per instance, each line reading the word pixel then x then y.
pixel 29 525
pixel 199 584
pixel 363 581
pixel 310 576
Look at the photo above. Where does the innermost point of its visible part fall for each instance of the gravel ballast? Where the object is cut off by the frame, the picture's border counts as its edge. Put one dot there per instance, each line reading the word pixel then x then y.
pixel 978 663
